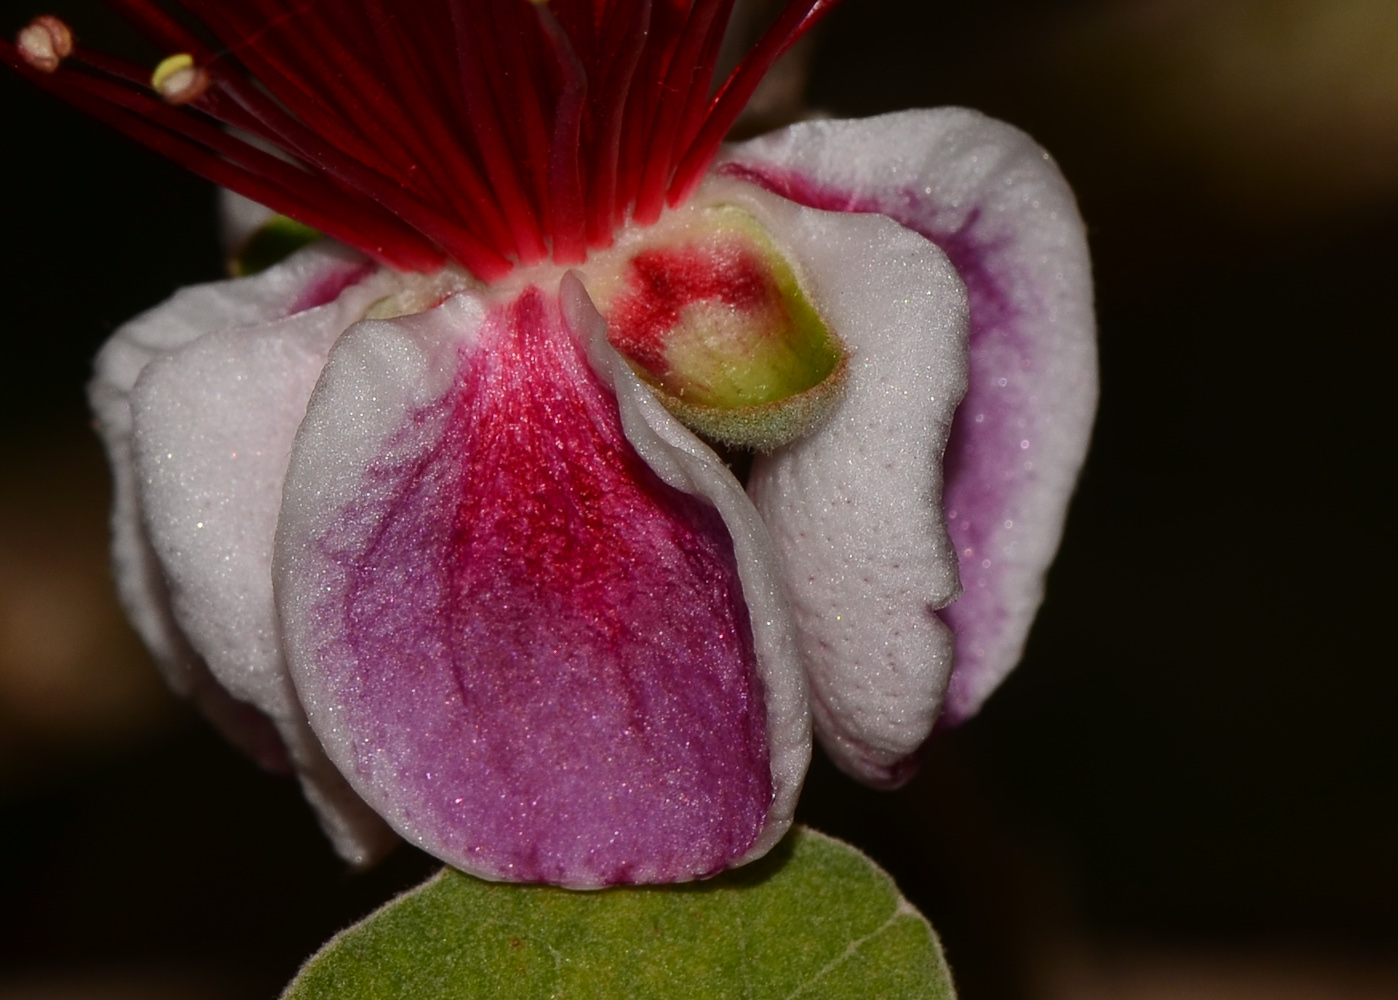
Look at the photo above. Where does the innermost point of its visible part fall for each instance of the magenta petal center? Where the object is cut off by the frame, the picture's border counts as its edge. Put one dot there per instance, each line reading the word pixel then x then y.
pixel 546 659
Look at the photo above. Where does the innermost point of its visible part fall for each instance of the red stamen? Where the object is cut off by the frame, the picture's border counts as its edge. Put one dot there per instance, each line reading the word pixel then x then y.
pixel 621 54
pixel 343 222
pixel 465 186
pixel 325 75
pixel 679 83
pixel 500 163
pixel 565 168
pixel 296 98
pixel 702 82
pixel 795 20
pixel 519 98
pixel 376 103
pixel 488 132
pixel 668 18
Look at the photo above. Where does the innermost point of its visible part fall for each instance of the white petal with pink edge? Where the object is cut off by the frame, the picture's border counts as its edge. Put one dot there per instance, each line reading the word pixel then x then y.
pixel 854 506
pixel 997 204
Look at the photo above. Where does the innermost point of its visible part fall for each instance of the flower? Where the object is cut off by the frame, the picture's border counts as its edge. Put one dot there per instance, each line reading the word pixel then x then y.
pixel 412 513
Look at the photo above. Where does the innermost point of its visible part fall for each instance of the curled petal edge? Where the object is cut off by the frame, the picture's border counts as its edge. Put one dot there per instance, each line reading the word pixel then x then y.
pixel 684 462
pixel 854 507
pixel 994 200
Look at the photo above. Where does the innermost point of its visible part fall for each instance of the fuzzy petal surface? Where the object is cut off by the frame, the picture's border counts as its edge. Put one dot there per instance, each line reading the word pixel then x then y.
pixel 996 203
pixel 686 463
pixel 854 506
pixel 527 651
pixel 198 402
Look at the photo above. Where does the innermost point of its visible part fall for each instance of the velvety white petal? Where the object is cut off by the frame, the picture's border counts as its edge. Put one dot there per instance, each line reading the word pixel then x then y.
pixel 189 314
pixel 683 461
pixel 854 507
pixel 213 427
pixel 996 203
pixel 198 401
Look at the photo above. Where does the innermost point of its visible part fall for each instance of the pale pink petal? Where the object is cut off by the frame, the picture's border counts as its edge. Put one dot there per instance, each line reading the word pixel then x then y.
pixel 198 402
pixel 853 507
pixel 995 202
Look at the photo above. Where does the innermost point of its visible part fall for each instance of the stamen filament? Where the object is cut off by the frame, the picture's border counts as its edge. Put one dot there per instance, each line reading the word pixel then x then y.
pixel 565 168
pixel 488 132
pixel 667 23
pixel 515 88
pixel 679 82
pixel 621 54
pixel 500 163
pixel 465 187
pixel 701 86
pixel 795 20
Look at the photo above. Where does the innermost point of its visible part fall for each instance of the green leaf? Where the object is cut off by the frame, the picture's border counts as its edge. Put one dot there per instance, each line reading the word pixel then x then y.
pixel 814 920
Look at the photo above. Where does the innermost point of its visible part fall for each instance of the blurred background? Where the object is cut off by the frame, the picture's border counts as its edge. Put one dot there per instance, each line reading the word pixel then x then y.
pixel 1190 786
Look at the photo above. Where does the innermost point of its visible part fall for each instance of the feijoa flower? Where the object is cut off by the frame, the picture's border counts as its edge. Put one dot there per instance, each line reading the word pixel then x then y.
pixel 426 511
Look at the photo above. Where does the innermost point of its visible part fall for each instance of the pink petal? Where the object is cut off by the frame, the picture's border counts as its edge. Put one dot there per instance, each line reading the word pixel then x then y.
pixel 684 462
pixel 522 648
pixel 995 202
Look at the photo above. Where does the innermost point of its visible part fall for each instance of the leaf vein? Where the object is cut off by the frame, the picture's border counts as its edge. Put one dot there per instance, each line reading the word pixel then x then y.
pixel 902 909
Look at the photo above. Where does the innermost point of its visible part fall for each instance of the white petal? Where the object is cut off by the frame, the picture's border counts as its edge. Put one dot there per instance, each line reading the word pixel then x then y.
pixel 198 401
pixel 854 507
pixel 995 201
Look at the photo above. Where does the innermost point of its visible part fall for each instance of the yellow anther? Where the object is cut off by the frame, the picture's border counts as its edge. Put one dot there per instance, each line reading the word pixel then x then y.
pixel 178 80
pixel 44 43
pixel 168 67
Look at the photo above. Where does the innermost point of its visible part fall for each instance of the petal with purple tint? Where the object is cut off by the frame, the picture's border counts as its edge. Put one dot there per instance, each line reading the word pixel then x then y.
pixel 853 506
pixel 198 402
pixel 684 462
pixel 996 203
pixel 526 651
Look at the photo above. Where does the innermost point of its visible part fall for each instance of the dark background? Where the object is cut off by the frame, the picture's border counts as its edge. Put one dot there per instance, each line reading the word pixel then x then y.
pixel 1198 754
